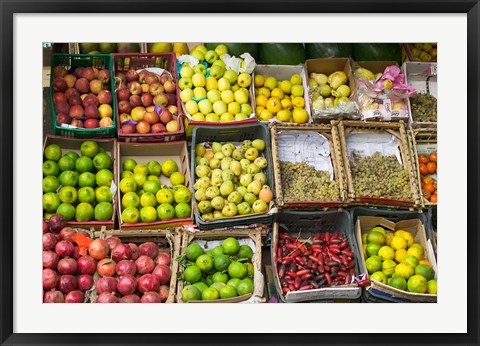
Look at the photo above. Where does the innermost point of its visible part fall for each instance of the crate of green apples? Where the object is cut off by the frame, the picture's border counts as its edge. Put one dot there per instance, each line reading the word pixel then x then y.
pixel 80 181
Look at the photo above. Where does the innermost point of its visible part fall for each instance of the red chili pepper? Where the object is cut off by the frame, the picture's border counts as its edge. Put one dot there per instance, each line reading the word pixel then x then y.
pixel 314 259
pixel 306 277
pixel 287 260
pixel 281 271
pixel 285 290
pixel 343 245
pixel 342 273
pixel 297 282
pixel 347 253
pixel 298 260
pixel 291 287
pixel 306 287
pixel 335 258
pixel 329 279
pixel 302 272
pixel 290 246
pixel 335 235
pixel 363 282
pixel 317 236
pixel 292 275
pixel 284 235
pixel 327 236
pixel 348 279
pixel 351 264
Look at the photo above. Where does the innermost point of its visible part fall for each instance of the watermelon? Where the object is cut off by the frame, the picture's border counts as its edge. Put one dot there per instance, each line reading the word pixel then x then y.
pixel 377 52
pixel 282 53
pixel 237 49
pixel 328 50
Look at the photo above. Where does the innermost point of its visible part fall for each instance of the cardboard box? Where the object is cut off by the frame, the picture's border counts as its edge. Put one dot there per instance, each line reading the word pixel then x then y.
pixel 142 153
pixel 168 240
pixel 423 77
pixel 249 234
pixel 416 228
pixel 109 145
pixel 282 72
pixel 328 66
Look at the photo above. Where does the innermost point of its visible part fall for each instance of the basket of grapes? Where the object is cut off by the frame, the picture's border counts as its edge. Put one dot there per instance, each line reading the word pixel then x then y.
pixel 379 164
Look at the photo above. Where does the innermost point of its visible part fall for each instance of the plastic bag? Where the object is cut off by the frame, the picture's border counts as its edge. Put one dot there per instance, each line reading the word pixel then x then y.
pixel 383 97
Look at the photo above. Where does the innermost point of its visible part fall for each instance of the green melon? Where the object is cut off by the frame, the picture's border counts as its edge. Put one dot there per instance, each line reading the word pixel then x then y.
pixel 328 50
pixel 377 52
pixel 282 53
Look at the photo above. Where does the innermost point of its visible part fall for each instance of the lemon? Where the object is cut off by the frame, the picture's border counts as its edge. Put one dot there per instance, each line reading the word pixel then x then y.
pixel 415 252
pixel 388 238
pixel 398 242
pixel 284 115
pixel 417 284
pixel 400 254
pixel 277 92
pixel 407 236
pixel 388 267
pixel 432 287
pixel 386 253
pixel 379 276
pixel 404 270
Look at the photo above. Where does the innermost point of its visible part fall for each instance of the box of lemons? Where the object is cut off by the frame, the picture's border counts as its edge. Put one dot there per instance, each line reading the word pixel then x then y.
pixel 76 179
pixel 308 231
pixel 155 180
pixel 70 63
pixel 162 246
pixel 223 266
pixel 239 149
pixel 281 87
pixel 407 257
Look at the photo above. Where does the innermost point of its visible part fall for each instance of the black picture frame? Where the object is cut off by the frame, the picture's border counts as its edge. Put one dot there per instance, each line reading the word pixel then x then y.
pixel 9 8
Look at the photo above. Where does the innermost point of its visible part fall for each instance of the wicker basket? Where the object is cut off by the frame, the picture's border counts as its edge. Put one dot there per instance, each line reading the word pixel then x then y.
pixel 396 129
pixel 331 134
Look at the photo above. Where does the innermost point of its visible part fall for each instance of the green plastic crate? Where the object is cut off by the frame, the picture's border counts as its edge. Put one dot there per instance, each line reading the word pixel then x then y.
pixel 70 62
pixel 237 133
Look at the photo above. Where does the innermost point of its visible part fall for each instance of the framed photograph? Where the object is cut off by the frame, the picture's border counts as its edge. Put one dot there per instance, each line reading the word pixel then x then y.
pixel 28 27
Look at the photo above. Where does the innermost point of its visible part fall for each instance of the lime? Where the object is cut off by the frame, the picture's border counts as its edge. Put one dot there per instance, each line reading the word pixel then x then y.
pixel 228 291
pixel 386 253
pixel 380 277
pixel 375 237
pixel 388 267
pixel 221 262
pixel 129 165
pixel 164 195
pixel 147 199
pixel 126 174
pixel 425 270
pixel 193 251
pixel 104 177
pixel 102 161
pixel 141 168
pixel 372 249
pixel 151 186
pixel 183 210
pixel 379 229
pixel 73 155
pixel 404 270
pixel 210 294
pixel 411 260
pixel 418 246
pixel 50 184
pixel 169 167
pixel 130 199
pixel 230 246
pixel 432 287
pixel 148 214
pixel 103 194
pixel 68 194
pixel 200 285
pixel 220 277
pixel 67 210
pixel 66 163
pixel 416 252
pixel 373 264
pixel 417 284
pixel 250 269
pixel 177 178
pixel 204 262
pixel 68 178
pixel 84 164
pixel 86 179
pixel 245 286
pixel 50 202
pixel 130 215
pixel 218 285
pixel 103 211
pixel 218 250
pixel 237 270
pixel 209 280
pixel 191 292
pixel 154 168
pixel 50 167
pixel 53 152
pixel 89 148
pixel 245 251
pixel 128 185
pixel 234 282
pixel 165 211
pixel 152 177
pixel 398 282
pixel 86 194
pixel 84 212
pixel 181 194
pixel 192 274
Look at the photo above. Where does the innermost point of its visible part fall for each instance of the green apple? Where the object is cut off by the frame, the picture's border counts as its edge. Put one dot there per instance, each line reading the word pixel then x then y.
pixel 198 54
pixel 219 107
pixel 211 56
pixel 234 87
pixel 186 71
pixel 214 95
pixel 186 95
pixel 185 82
pixel 231 76
pixel 221 49
pixel 219 62
pixel 246 108
pixel 200 68
pixel 198 79
pixel 217 71
pixel 244 80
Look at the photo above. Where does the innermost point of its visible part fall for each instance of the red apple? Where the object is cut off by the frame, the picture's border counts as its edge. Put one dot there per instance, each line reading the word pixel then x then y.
pixel 62 107
pixel 82 85
pixel 123 94
pixel 71 92
pixel 173 126
pixel 142 127
pixel 63 118
pixel 88 73
pixel 169 87
pixel 90 99
pixel 161 99
pixel 124 107
pixel 105 96
pixel 104 76
pixel 128 128
pixel 172 99
pixel 75 100
pixel 155 89
pixel 70 79
pixel 165 116
pixel 151 78
pixel 96 86
pixel 135 88
pixel 173 109
pixel 135 100
pixel 78 72
pixel 151 118
pixel 147 99
pixel 124 117
pixel 157 128
pixel 59 96
pixel 120 77
pixel 145 87
pixel 164 77
pixel 91 111
pixel 76 111
pixel 59 84
pixel 59 71
pixel 142 75
pixel 105 122
pixel 91 123
pixel 77 123
pixel 131 75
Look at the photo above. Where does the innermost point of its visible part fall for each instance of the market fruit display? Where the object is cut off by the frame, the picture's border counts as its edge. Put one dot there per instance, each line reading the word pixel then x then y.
pixel 380 176
pixel 325 259
pixel 230 179
pixel 395 259
pixel 301 181
pixel 236 48
pixel 424 107
pixel 282 100
pixel 328 91
pixel 146 102
pixel 78 184
pixel 213 92
pixel 424 52
pixel 144 199
pixel 226 271
pixel 82 97
pixel 427 165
